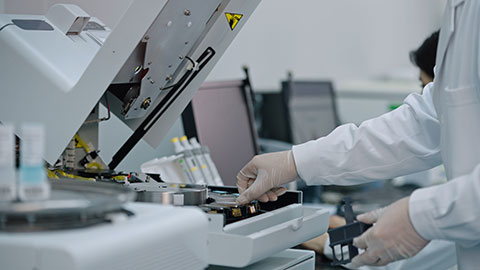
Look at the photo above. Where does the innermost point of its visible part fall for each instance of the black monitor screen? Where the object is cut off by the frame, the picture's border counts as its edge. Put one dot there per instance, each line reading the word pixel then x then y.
pixel 312 111
pixel 220 116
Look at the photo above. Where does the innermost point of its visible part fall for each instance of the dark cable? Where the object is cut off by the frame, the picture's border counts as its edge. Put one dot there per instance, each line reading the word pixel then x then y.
pixel 1 28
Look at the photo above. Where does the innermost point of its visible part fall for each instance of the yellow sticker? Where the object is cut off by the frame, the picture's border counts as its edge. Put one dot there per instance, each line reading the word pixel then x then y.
pixel 233 19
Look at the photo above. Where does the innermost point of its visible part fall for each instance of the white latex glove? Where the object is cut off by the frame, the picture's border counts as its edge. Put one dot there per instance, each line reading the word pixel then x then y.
pixel 392 238
pixel 263 176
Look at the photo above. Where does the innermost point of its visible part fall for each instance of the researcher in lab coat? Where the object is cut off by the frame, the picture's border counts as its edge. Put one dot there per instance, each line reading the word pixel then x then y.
pixel 438 254
pixel 424 58
pixel 441 125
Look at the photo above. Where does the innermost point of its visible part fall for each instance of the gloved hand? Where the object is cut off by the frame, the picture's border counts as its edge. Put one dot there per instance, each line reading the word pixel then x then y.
pixel 392 238
pixel 262 177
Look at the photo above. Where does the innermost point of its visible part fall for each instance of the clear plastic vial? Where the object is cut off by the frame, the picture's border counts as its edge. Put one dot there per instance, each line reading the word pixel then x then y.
pixel 8 181
pixel 210 164
pixel 182 163
pixel 33 182
pixel 197 151
pixel 193 161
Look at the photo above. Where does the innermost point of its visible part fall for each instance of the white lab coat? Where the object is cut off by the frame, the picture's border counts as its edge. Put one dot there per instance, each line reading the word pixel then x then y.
pixel 442 125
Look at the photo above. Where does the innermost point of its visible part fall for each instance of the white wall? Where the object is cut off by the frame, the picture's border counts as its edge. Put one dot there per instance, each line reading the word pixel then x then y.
pixel 337 39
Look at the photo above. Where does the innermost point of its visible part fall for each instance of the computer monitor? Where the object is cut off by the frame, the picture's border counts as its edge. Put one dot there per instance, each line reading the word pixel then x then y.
pixel 311 109
pixel 302 111
pixel 220 115
pixel 274 118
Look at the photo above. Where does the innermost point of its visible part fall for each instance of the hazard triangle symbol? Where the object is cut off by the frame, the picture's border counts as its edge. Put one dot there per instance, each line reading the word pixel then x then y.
pixel 233 19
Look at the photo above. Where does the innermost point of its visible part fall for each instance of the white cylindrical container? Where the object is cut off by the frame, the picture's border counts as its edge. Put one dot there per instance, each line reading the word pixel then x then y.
pixel 199 173
pixel 33 182
pixel 8 181
pixel 193 167
pixel 208 159
pixel 185 163
pixel 197 151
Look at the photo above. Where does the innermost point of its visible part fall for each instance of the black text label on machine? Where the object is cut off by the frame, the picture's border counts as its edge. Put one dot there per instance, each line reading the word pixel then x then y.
pixel 233 19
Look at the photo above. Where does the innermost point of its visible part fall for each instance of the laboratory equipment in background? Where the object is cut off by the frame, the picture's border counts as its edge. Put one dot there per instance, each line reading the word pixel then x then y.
pixel 144 71
pixel 221 117
pixel 302 111
pixel 360 100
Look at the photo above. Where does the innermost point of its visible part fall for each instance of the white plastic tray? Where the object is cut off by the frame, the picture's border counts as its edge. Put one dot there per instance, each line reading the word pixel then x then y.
pixel 251 240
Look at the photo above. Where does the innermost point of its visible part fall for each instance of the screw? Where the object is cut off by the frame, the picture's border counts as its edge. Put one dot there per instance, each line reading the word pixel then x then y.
pixel 147 37
pixel 169 78
pixel 187 12
pixel 146 103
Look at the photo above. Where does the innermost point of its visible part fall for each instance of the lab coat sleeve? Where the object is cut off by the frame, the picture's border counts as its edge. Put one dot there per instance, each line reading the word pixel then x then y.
pixel 449 211
pixel 403 141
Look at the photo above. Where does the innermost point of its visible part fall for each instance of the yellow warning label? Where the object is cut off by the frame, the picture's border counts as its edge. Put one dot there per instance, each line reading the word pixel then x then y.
pixel 233 19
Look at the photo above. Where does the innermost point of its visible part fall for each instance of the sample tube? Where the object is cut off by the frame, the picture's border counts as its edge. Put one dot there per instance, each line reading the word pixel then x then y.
pixel 33 182
pixel 187 168
pixel 197 151
pixel 8 181
pixel 206 155
pixel 202 178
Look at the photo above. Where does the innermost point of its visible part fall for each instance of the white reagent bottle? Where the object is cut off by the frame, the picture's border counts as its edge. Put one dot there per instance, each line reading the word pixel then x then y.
pixel 182 162
pixel 206 155
pixel 8 181
pixel 197 151
pixel 192 161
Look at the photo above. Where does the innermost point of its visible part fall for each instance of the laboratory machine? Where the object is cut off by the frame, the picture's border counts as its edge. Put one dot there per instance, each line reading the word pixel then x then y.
pixel 57 70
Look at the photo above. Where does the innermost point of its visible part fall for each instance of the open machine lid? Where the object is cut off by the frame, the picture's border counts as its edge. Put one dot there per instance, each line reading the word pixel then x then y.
pixel 152 62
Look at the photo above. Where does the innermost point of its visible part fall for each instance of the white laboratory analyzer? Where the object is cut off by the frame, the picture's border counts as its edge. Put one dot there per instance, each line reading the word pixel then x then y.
pixel 56 71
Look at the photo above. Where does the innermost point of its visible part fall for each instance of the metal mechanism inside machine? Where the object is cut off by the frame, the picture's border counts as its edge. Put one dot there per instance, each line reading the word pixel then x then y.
pixel 212 200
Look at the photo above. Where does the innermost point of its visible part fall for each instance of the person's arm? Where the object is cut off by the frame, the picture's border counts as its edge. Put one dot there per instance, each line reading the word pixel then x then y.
pixel 403 141
pixel 449 211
